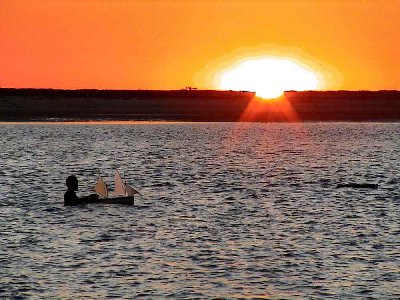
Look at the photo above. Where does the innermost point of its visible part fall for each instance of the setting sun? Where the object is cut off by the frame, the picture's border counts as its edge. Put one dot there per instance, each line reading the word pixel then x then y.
pixel 269 77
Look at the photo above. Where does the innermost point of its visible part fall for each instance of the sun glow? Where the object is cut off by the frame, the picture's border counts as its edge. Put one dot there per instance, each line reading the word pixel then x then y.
pixel 269 77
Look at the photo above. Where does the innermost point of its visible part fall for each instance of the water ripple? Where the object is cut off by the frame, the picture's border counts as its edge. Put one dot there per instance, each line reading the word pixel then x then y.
pixel 228 211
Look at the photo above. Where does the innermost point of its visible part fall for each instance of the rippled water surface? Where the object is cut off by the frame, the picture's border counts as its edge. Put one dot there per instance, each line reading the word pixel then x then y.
pixel 228 211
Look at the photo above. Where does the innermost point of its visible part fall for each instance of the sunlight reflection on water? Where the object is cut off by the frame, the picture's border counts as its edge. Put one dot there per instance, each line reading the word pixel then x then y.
pixel 228 210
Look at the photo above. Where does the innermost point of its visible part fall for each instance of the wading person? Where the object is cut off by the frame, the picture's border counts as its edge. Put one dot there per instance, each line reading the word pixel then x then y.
pixel 70 197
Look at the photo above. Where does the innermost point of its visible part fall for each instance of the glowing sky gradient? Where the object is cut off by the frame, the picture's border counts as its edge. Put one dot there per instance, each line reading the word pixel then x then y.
pixel 173 44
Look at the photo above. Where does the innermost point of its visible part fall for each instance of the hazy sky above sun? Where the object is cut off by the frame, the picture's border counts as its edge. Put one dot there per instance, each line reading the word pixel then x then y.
pixel 128 44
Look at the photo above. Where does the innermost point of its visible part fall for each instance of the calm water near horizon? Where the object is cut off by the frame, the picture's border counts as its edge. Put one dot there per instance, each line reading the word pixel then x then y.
pixel 229 210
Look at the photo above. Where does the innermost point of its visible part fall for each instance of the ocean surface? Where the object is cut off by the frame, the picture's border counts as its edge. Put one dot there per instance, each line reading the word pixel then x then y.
pixel 228 211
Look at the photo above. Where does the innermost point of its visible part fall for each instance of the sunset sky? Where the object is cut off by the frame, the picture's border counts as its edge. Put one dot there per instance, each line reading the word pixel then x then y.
pixel 121 44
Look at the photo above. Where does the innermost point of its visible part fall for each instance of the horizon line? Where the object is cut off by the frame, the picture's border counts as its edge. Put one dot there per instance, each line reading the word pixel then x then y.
pixel 186 90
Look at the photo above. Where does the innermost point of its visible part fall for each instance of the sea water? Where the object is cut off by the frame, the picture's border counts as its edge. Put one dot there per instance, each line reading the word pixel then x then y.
pixel 228 210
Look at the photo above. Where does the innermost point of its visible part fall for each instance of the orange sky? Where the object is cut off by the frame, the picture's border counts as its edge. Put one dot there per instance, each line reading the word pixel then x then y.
pixel 165 44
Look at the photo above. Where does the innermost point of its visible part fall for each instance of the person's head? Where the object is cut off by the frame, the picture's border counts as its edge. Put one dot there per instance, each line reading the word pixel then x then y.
pixel 72 183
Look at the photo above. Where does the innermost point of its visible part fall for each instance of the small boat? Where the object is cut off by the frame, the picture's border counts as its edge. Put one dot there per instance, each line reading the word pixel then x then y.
pixel 123 193
pixel 358 185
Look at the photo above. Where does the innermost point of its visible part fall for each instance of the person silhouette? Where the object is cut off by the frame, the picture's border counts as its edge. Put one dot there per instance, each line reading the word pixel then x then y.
pixel 70 197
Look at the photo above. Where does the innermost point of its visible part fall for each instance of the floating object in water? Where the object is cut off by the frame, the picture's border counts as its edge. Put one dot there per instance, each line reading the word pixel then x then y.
pixel 357 185
pixel 124 193
pixel 115 200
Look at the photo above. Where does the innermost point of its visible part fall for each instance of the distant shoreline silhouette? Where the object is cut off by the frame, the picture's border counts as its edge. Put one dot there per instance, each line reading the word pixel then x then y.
pixel 196 105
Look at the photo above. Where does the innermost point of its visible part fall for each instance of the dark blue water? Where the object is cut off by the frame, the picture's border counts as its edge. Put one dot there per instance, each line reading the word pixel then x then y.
pixel 228 211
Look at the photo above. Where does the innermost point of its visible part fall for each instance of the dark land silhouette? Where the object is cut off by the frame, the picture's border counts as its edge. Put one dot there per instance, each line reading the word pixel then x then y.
pixel 196 105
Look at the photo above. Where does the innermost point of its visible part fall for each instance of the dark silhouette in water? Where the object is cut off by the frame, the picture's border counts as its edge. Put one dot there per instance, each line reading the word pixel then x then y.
pixel 70 197
pixel 357 185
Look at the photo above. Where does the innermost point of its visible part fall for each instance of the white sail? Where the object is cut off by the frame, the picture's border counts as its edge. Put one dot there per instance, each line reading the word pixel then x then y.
pixel 130 191
pixel 101 188
pixel 121 189
pixel 119 185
